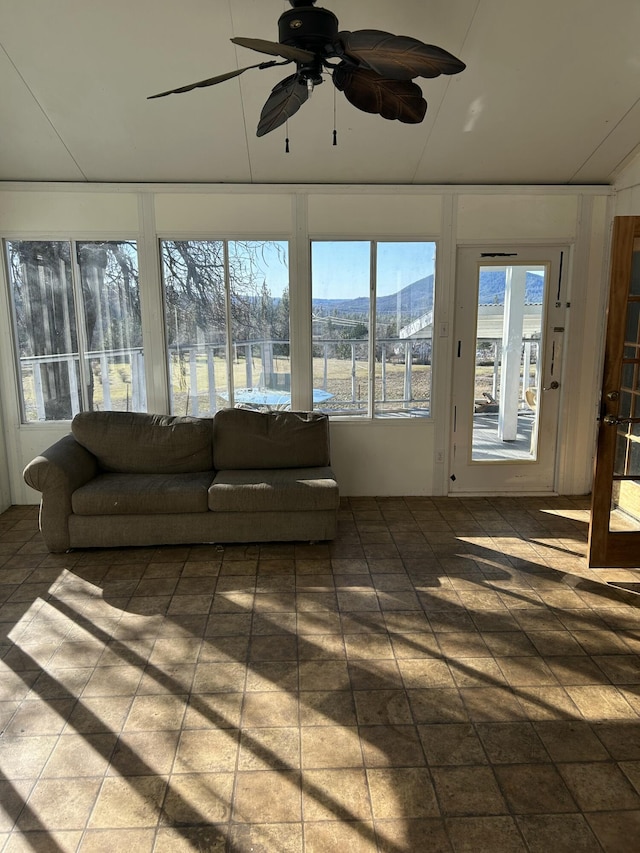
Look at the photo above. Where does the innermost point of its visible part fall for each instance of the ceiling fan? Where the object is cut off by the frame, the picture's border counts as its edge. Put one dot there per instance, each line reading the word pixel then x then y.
pixel 374 69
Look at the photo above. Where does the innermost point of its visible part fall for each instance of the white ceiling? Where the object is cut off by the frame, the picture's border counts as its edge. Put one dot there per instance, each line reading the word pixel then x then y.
pixel 551 94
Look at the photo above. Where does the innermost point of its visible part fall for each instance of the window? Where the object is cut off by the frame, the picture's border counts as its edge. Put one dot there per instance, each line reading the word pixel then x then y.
pixel 227 324
pixel 77 327
pixel 372 327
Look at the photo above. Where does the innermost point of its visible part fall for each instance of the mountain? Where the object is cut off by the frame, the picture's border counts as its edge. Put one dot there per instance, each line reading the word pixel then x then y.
pixel 412 301
pixel 492 284
pixel 416 298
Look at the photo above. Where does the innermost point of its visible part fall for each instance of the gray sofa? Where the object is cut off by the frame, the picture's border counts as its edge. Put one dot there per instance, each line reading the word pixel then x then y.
pixel 126 478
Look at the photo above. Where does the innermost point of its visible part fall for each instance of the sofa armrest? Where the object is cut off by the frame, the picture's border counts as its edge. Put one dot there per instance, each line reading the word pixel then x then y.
pixel 57 472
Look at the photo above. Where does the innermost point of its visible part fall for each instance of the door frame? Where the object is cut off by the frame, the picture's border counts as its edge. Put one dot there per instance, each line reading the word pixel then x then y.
pixel 537 476
pixel 608 548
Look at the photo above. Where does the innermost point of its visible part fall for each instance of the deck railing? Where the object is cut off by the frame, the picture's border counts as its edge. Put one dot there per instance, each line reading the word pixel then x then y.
pixel 98 363
pixel 206 382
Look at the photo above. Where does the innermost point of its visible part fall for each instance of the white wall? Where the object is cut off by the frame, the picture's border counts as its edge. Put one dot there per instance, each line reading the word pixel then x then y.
pixel 386 457
pixel 5 490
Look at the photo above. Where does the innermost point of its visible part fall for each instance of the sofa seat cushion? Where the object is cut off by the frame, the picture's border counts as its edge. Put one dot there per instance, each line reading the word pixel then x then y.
pixel 143 494
pixel 248 439
pixel 139 443
pixel 276 490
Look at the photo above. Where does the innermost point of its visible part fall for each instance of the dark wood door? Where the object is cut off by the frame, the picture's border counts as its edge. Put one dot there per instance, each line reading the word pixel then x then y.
pixel 614 533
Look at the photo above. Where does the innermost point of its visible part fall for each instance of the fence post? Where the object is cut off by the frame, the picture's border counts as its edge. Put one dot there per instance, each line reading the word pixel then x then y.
pixel 73 385
pixel 267 358
pixel 325 372
pixel 408 394
pixel 37 387
pixel 526 372
pixel 138 388
pixel 496 369
pixel 248 358
pixel 211 374
pixel 172 368
pixel 353 373
pixel 104 378
pixel 193 373
pixel 383 391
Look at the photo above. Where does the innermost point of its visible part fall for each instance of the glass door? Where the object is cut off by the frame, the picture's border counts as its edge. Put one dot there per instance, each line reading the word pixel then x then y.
pixel 510 311
pixel 614 535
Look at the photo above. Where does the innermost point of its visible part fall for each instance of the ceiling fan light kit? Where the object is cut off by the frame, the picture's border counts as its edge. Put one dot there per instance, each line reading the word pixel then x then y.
pixel 374 69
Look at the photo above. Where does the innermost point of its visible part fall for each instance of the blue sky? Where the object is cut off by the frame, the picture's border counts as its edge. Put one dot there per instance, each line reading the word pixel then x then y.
pixel 341 268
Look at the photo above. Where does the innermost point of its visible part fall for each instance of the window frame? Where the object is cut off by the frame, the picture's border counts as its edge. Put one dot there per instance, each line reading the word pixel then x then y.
pixel 78 303
pixel 371 414
pixel 226 240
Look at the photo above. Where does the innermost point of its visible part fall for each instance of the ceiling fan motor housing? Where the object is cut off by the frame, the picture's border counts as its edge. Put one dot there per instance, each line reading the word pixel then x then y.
pixel 307 27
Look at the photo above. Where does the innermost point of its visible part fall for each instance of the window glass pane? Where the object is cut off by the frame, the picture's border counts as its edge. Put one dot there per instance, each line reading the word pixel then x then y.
pixel 111 300
pixel 213 288
pixel 259 289
pixel 195 317
pixel 45 328
pixel 340 277
pixel 404 328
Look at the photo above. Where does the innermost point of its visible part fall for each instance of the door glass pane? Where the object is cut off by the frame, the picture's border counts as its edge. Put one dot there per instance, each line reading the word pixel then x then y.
pixel 634 284
pixel 625 505
pixel 404 328
pixel 45 328
pixel 625 404
pixel 627 380
pixel 341 282
pixel 113 358
pixel 508 366
pixel 195 318
pixel 627 453
pixel 632 334
pixel 625 496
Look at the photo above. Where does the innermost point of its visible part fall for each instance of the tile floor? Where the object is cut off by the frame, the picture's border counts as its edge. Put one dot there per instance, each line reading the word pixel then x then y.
pixel 446 676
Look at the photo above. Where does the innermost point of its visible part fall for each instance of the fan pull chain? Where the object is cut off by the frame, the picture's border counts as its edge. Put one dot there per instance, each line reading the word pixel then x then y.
pixel 335 132
pixel 286 141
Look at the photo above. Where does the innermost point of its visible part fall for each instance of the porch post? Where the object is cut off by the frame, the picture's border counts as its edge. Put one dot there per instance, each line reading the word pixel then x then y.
pixel 514 294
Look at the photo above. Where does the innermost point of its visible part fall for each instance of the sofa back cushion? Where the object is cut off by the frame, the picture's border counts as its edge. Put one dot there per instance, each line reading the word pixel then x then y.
pixel 249 439
pixel 139 443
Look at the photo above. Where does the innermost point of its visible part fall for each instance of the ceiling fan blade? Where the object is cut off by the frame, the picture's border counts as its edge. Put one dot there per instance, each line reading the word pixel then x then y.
pixel 275 48
pixel 210 81
pixel 284 101
pixel 398 57
pixel 399 100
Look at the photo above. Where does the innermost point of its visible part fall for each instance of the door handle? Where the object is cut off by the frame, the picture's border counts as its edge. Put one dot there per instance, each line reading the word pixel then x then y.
pixel 553 386
pixel 612 420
